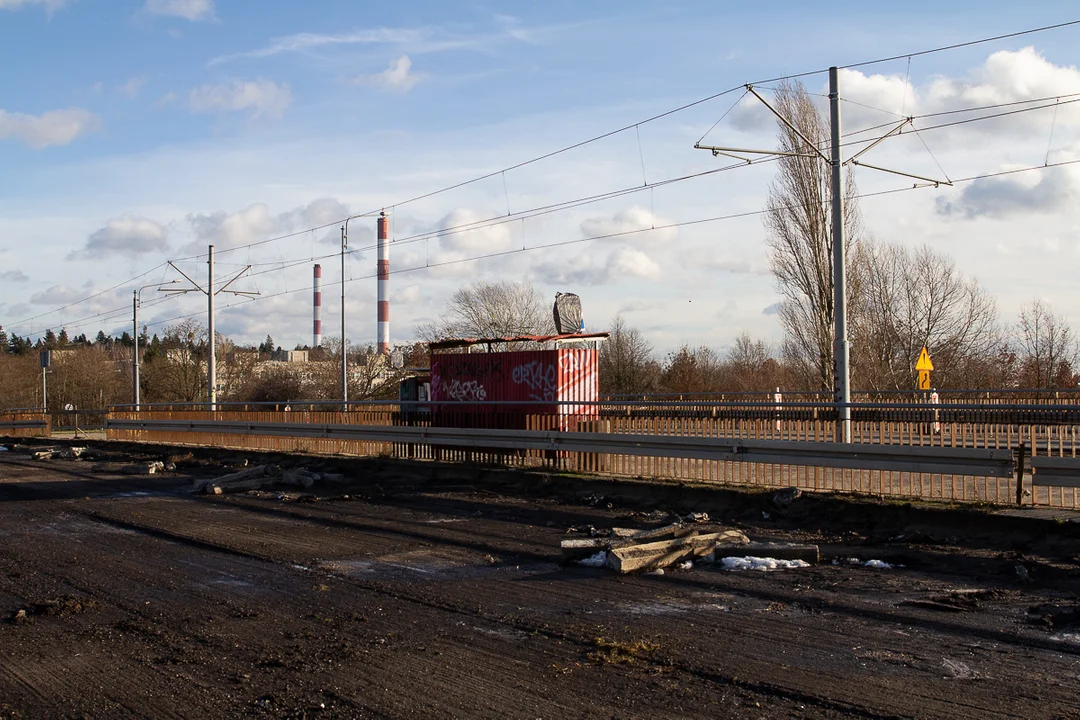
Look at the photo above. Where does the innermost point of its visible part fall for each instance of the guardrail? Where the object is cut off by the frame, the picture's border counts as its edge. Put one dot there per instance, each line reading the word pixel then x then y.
pixel 25 424
pixel 960 473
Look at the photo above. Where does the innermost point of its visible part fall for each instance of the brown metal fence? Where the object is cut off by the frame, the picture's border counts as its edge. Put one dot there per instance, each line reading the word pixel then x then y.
pixel 25 423
pixel 1000 427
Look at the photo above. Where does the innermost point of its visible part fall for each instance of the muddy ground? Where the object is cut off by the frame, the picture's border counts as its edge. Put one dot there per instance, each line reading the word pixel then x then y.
pixel 435 591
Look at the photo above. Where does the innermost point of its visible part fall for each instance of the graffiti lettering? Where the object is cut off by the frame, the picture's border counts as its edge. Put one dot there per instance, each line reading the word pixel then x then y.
pixel 541 379
pixel 468 390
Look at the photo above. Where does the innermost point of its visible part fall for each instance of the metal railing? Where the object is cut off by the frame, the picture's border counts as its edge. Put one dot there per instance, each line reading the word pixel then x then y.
pixel 917 451
pixel 25 423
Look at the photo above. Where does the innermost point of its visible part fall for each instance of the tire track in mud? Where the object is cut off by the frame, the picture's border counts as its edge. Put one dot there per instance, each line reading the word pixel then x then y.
pixel 582 644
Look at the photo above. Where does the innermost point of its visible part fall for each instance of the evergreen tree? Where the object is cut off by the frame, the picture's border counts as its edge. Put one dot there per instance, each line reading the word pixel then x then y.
pixel 3 340
pixel 50 339
pixel 267 346
pixel 102 339
pixel 126 340
pixel 63 339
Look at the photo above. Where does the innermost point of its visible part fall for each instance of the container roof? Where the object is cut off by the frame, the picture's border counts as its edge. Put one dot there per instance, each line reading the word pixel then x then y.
pixel 468 342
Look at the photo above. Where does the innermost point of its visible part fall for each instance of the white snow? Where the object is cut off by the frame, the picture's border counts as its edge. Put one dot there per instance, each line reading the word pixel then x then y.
pixel 879 564
pixel 1067 637
pixel 761 563
pixel 685 565
pixel 597 560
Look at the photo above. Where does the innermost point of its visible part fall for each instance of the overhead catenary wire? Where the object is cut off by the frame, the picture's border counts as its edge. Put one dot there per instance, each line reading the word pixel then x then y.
pixel 673 225
pixel 599 137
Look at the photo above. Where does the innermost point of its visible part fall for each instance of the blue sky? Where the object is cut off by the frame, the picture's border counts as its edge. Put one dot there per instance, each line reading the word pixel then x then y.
pixel 140 131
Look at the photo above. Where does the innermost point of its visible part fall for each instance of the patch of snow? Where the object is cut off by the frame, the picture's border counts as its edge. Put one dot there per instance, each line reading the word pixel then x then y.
pixel 1067 637
pixel 685 565
pixel 658 571
pixel 3 449
pixel 879 564
pixel 761 563
pixel 597 560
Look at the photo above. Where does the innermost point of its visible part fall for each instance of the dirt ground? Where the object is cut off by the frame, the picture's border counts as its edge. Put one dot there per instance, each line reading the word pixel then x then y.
pixel 417 590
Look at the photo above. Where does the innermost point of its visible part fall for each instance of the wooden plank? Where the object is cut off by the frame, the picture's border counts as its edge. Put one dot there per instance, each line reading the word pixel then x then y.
pixel 656 555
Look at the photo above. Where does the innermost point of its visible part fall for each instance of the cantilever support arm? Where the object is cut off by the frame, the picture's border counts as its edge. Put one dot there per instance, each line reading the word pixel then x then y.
pixel 932 181
pixel 816 149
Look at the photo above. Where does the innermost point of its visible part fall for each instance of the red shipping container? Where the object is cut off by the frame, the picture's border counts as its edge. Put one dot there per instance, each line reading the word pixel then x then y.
pixel 544 382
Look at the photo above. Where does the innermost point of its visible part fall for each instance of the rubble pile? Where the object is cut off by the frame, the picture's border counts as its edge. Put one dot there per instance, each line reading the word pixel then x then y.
pixel 262 476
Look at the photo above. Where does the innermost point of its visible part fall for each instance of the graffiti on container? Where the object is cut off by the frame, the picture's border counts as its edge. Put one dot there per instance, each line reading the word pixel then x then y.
pixel 572 362
pixel 489 366
pixel 467 390
pixel 541 379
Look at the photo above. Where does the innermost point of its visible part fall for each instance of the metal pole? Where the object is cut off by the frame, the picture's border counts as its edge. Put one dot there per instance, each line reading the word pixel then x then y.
pixel 135 355
pixel 841 373
pixel 344 340
pixel 44 392
pixel 211 370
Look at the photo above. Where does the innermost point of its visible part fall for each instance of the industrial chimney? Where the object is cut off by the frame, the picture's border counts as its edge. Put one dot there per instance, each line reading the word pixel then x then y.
pixel 383 269
pixel 316 340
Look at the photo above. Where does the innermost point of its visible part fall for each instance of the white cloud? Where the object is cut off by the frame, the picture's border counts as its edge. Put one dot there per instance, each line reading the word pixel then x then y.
pixel 132 87
pixel 261 97
pixel 193 10
pixel 226 230
pixel 306 41
pixel 1054 190
pixel 55 127
pixel 50 5
pixel 15 275
pixel 57 295
pixel 630 222
pixel 126 235
pixel 463 239
pixel 396 76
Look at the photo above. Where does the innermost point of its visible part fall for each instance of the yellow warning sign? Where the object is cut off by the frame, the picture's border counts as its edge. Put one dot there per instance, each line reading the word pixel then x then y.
pixel 924 363
pixel 924 379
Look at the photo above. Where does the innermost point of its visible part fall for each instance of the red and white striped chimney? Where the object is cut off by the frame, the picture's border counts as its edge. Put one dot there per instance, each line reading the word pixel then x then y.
pixel 384 284
pixel 316 340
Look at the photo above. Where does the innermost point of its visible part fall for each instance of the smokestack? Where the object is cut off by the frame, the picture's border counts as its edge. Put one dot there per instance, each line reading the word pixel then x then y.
pixel 316 340
pixel 384 284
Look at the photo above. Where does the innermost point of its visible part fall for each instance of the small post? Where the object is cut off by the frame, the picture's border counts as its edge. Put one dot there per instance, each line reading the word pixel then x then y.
pixel 1020 453
pixel 344 340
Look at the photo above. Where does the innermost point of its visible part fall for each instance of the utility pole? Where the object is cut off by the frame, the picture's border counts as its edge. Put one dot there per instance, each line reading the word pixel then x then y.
pixel 211 370
pixel 344 337
pixel 841 371
pixel 135 353
pixel 136 301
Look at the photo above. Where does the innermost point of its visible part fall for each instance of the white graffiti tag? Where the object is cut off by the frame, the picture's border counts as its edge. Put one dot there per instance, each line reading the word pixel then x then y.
pixel 468 390
pixel 541 379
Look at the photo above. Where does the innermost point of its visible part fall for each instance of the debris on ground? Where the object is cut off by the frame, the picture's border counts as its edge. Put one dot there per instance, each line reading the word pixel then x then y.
pixel 879 564
pixel 785 497
pixel 143 468
pixel 625 550
pixel 763 564
pixel 784 551
pixel 262 476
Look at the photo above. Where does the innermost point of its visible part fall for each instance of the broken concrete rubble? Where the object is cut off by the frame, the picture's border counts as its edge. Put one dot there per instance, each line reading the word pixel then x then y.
pixel 625 550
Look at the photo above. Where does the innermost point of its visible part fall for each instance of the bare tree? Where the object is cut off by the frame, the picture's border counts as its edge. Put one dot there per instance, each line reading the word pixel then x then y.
pixel 627 366
pixel 692 370
pixel 911 298
pixel 799 234
pixel 178 372
pixel 1047 347
pixel 751 367
pixel 499 309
